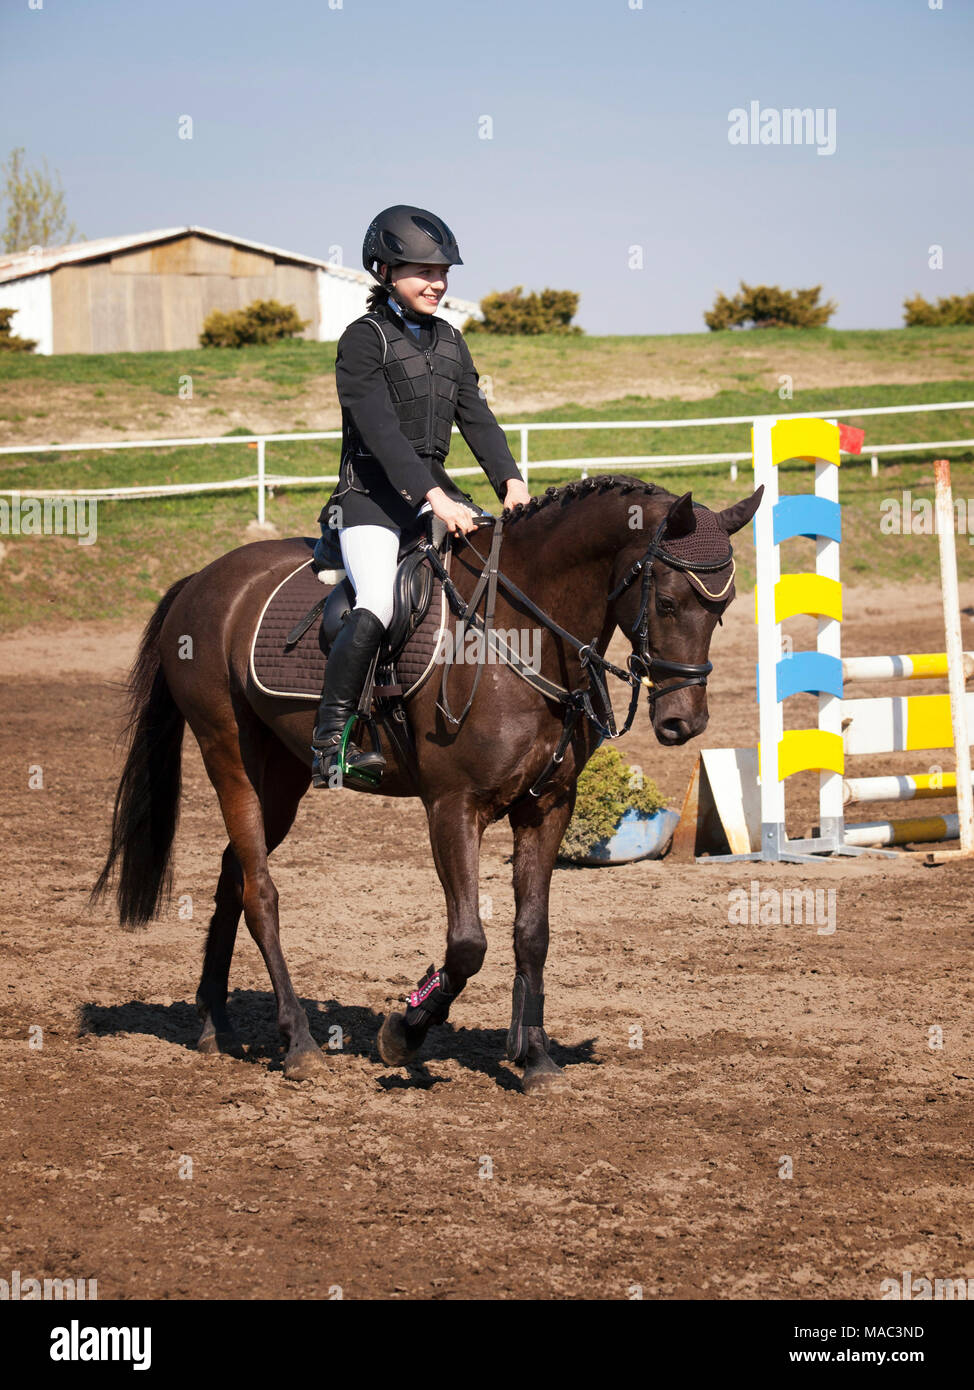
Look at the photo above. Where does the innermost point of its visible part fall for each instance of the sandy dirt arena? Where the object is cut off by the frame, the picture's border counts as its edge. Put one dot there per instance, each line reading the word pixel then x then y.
pixel 661 1170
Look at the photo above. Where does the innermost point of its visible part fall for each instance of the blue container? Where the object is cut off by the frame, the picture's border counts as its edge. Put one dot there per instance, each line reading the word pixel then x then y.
pixel 638 835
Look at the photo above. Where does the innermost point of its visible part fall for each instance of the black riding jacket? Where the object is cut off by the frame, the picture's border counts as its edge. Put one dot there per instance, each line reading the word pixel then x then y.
pixel 400 397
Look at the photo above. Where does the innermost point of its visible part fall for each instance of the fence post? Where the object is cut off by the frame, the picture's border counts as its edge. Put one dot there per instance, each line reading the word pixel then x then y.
pixel 260 480
pixel 524 453
pixel 955 653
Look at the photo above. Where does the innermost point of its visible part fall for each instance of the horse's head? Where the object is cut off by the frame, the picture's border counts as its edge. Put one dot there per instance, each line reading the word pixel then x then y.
pixel 668 598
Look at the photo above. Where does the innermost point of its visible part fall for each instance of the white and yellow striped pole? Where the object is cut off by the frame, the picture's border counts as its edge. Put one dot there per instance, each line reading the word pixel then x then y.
pixel 955 655
pixel 906 786
pixel 911 666
pixel 923 830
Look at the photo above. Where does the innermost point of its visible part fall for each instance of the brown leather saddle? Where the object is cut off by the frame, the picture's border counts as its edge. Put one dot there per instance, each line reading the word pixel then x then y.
pixel 303 615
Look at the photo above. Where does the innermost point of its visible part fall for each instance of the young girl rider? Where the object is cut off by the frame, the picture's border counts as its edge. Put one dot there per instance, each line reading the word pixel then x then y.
pixel 404 375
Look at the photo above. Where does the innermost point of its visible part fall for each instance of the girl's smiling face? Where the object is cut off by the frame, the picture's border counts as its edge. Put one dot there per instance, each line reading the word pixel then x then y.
pixel 420 287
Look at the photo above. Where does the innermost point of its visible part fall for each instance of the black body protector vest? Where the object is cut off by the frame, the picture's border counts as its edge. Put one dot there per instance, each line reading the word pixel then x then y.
pixel 423 384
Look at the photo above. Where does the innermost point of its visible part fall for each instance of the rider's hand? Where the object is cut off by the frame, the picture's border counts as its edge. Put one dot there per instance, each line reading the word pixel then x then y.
pixel 516 492
pixel 458 518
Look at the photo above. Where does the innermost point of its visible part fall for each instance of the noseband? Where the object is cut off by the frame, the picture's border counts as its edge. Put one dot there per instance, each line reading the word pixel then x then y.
pixel 648 669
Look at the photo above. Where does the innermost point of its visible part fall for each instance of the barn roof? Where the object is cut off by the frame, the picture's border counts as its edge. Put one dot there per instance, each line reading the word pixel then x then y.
pixel 22 265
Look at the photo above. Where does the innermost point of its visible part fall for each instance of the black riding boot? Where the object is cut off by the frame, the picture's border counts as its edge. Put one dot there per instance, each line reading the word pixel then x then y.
pixel 346 670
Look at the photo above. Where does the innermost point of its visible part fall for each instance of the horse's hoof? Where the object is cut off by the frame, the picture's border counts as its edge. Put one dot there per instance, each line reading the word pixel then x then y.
pixel 306 1066
pixel 393 1047
pixel 219 1044
pixel 544 1078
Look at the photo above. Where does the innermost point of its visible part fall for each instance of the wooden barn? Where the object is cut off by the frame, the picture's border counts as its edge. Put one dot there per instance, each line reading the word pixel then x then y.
pixel 152 292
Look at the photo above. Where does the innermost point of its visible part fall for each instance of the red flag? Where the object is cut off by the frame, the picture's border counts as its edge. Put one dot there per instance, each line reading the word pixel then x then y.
pixel 851 439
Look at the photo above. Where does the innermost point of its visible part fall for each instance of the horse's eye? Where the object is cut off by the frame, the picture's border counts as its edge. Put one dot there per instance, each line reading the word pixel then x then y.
pixel 665 607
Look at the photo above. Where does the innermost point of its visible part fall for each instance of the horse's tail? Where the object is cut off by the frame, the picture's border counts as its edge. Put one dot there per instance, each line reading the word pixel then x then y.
pixel 147 800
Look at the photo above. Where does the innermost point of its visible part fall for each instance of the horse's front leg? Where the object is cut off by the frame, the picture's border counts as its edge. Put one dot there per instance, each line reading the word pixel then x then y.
pixel 456 825
pixel 539 826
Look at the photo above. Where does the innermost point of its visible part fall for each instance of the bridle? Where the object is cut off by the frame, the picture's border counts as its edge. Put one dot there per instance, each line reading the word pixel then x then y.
pixel 644 670
pixel 656 668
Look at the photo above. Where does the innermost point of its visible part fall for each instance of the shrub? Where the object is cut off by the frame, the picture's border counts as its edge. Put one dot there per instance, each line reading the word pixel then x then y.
pixel 9 342
pixel 508 311
pixel 769 306
pixel 956 308
pixel 606 790
pixel 263 321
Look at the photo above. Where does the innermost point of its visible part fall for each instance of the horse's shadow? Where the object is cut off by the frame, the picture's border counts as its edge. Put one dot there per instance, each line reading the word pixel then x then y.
pixel 254 1016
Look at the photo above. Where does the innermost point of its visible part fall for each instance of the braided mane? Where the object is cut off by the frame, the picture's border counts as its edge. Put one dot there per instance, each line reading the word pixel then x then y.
pixel 582 487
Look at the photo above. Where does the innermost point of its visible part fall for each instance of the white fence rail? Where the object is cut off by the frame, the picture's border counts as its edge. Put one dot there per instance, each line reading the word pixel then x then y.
pixel 264 482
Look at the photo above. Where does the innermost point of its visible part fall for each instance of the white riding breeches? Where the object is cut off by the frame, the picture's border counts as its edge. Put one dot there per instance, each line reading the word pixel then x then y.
pixel 370 554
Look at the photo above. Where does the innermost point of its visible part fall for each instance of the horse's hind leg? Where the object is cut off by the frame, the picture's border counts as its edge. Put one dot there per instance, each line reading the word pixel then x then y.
pixel 236 770
pixel 538 831
pixel 211 998
pixel 281 793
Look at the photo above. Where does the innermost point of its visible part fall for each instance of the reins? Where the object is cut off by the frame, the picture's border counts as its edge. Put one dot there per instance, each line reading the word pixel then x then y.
pixel 577 701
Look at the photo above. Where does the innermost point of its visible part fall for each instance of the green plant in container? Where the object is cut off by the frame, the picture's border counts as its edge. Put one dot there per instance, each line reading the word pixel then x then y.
pixel 607 789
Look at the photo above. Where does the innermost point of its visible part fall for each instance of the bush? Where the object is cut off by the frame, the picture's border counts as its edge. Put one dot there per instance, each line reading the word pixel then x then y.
pixel 9 342
pixel 956 308
pixel 263 321
pixel 508 311
pixel 606 790
pixel 769 306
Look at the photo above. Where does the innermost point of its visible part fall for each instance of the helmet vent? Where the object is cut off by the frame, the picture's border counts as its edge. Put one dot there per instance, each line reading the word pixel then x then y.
pixel 428 227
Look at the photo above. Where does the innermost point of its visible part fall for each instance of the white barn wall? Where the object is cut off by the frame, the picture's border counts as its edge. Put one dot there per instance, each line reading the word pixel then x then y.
pixel 341 300
pixel 84 297
pixel 34 318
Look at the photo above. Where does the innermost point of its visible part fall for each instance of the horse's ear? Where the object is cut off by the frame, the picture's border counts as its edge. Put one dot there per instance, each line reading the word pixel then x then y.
pixel 680 520
pixel 733 518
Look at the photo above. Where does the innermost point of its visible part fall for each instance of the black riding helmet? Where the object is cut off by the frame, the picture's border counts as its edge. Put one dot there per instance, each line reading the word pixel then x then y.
pixel 401 234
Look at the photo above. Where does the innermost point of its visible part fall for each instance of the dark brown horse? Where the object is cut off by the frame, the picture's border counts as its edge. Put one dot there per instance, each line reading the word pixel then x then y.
pixel 592 556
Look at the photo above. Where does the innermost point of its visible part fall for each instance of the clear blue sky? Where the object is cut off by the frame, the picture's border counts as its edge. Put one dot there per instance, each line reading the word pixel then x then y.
pixel 610 129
